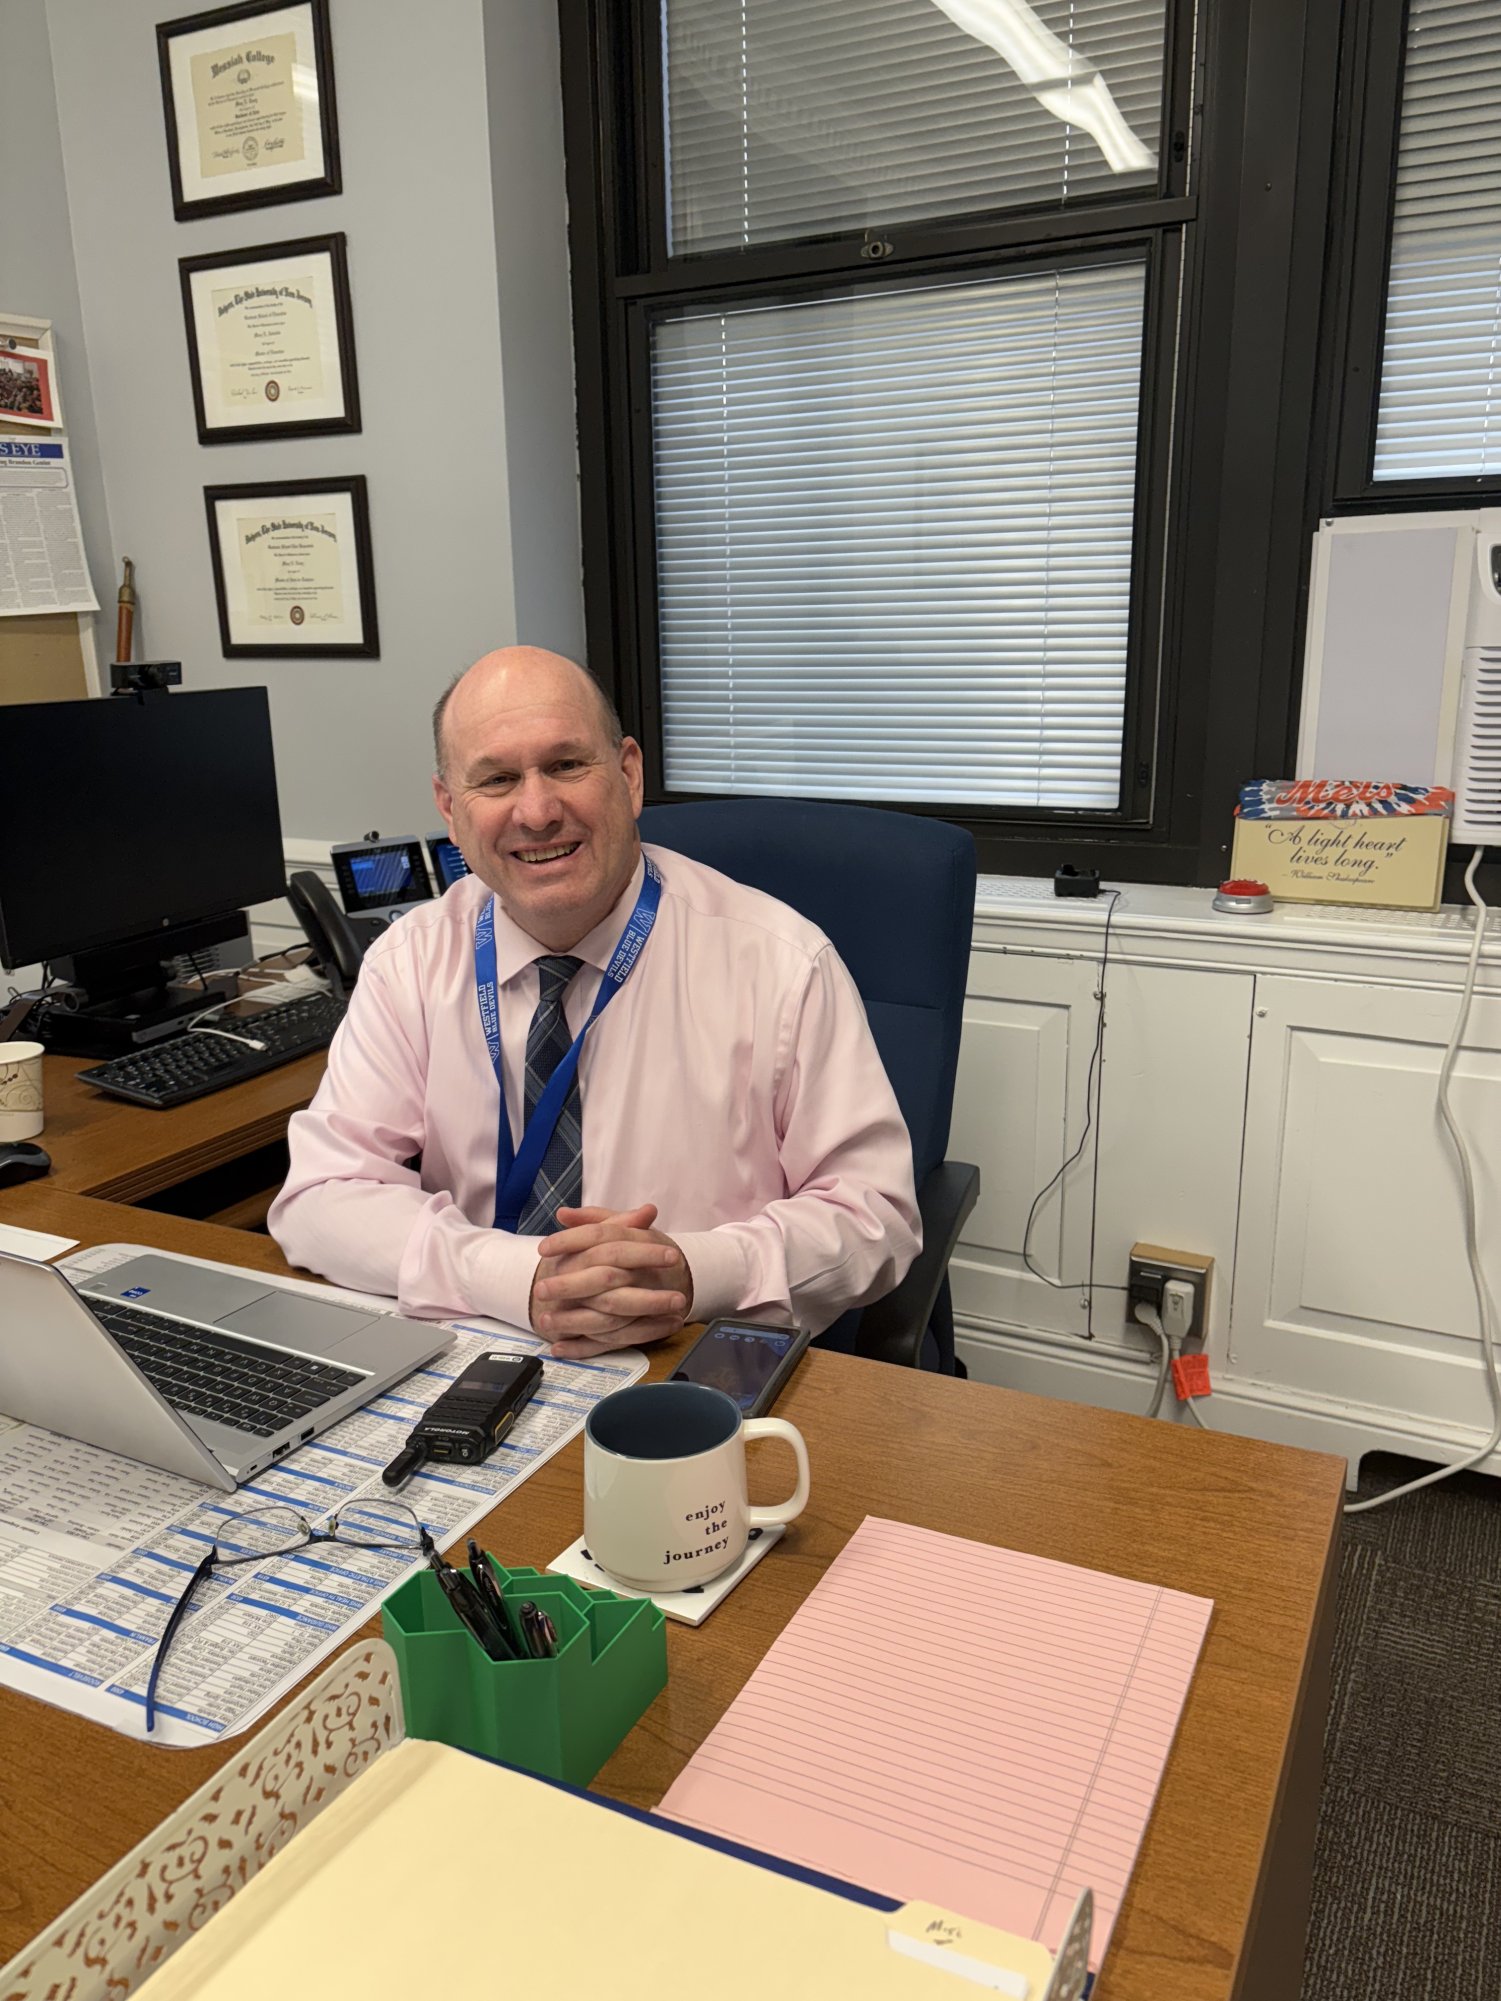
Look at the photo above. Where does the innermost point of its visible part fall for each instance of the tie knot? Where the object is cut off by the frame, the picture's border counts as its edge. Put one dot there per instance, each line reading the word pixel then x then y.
pixel 554 974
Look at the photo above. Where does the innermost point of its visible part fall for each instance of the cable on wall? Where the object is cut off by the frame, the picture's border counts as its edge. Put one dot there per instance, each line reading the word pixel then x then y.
pixel 1093 1084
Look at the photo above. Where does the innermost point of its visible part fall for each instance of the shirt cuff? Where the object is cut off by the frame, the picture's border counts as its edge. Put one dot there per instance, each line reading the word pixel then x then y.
pixel 498 1271
pixel 720 1268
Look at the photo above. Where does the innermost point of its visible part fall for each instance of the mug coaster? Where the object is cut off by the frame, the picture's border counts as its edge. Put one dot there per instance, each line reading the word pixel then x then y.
pixel 692 1606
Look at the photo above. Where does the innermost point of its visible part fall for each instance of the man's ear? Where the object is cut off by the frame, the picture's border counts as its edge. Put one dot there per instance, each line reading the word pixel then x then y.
pixel 631 765
pixel 445 803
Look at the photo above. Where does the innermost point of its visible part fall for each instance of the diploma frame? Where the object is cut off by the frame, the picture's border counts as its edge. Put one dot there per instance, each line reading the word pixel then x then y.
pixel 333 328
pixel 361 639
pixel 262 184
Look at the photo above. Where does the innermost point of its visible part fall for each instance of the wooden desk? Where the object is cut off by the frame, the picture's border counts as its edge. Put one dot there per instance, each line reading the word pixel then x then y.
pixel 1219 1902
pixel 123 1153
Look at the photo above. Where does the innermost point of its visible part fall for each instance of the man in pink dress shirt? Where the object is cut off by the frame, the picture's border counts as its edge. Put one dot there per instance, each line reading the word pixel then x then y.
pixel 729 1091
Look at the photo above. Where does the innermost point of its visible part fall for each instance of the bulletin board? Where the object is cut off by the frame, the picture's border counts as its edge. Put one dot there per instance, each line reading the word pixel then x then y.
pixel 44 656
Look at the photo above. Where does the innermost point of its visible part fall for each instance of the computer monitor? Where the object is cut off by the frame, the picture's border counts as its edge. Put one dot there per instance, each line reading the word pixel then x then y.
pixel 126 818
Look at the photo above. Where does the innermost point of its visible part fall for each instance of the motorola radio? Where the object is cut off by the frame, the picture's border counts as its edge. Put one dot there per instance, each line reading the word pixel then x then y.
pixel 472 1418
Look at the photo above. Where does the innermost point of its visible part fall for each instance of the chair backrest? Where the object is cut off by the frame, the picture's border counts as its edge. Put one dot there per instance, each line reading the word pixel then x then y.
pixel 895 895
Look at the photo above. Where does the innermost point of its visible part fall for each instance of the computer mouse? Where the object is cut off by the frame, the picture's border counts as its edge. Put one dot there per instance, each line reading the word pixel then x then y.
pixel 21 1161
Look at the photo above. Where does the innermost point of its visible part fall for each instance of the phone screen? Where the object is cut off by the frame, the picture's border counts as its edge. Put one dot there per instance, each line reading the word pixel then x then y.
pixel 382 876
pixel 740 1360
pixel 449 863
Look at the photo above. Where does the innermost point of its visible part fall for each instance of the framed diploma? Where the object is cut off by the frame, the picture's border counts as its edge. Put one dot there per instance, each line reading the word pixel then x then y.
pixel 292 569
pixel 248 93
pixel 271 341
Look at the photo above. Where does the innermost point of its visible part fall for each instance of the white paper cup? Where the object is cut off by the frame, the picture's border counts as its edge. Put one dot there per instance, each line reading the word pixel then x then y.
pixel 20 1090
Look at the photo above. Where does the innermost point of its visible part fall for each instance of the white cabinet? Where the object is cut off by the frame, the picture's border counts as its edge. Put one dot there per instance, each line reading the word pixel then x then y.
pixel 1267 1097
pixel 1019 1107
pixel 1351 1283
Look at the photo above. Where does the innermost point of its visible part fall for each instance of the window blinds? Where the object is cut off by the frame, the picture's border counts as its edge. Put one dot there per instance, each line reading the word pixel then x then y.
pixel 894 540
pixel 793 118
pixel 1440 407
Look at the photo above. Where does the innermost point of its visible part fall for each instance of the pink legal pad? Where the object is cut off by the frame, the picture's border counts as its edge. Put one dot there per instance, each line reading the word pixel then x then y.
pixel 959 1725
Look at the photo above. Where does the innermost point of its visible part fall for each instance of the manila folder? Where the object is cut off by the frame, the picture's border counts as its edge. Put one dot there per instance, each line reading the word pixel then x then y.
pixel 440 1873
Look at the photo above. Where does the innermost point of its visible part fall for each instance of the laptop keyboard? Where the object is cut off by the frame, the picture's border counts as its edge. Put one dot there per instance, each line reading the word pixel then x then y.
pixel 239 1383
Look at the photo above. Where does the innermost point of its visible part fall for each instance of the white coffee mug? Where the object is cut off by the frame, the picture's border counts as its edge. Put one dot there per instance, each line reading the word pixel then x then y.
pixel 665 1501
pixel 20 1090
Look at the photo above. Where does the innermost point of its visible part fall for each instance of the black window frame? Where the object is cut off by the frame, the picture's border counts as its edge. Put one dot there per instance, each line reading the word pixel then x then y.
pixel 1233 307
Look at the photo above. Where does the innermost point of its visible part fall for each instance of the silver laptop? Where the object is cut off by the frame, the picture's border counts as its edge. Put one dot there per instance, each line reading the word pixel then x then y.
pixel 199 1372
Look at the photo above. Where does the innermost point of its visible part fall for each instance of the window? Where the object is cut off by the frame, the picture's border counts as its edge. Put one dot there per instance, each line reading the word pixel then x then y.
pixel 894 536
pixel 1422 390
pixel 904 449
pixel 790 118
pixel 1440 403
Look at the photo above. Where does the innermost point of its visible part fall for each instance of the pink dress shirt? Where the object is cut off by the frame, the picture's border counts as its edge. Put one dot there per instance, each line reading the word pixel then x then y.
pixel 733 1081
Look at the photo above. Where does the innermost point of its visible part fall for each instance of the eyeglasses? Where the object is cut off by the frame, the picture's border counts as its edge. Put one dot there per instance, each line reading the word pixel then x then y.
pixel 388 1526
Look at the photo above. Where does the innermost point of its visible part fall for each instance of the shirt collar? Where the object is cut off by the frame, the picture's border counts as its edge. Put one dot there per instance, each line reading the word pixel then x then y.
pixel 516 949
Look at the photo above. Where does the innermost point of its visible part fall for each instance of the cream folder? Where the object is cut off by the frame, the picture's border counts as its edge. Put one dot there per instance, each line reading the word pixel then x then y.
pixel 437 1873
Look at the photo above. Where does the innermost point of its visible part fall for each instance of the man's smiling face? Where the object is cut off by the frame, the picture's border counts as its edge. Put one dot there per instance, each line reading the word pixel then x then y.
pixel 539 799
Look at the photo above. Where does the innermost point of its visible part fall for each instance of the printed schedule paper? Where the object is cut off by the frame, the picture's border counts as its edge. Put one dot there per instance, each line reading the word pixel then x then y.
pixel 42 564
pixel 95 1549
pixel 955 1724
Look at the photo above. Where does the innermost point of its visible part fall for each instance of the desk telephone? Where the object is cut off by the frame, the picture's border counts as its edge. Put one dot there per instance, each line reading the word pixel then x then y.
pixel 379 881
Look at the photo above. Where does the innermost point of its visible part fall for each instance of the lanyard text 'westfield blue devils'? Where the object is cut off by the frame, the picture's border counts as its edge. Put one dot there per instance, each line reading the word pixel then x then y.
pixel 516 1172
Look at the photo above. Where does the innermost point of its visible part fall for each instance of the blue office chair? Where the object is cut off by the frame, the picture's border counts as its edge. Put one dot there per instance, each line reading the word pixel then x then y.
pixel 895 895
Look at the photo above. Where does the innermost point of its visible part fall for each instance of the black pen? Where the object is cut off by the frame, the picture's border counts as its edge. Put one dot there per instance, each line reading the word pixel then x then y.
pixel 470 1609
pixel 483 1564
pixel 482 1569
pixel 541 1633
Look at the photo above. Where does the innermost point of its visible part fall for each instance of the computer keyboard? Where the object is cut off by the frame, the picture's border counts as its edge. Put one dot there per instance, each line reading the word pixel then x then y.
pixel 240 1383
pixel 190 1066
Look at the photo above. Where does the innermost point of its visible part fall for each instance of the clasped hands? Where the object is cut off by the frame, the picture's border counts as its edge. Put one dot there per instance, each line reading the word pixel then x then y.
pixel 607 1279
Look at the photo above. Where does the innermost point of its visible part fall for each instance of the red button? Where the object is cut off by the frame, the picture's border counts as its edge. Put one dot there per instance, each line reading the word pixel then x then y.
pixel 1243 886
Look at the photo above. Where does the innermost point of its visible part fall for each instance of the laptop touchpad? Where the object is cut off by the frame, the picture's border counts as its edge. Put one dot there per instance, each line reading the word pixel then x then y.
pixel 312 1325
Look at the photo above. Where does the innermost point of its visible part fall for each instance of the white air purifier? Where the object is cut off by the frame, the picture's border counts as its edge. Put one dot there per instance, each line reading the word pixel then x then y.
pixel 1402 671
pixel 1477 738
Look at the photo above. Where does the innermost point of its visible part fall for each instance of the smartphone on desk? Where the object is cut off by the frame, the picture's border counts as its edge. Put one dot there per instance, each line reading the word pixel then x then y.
pixel 746 1360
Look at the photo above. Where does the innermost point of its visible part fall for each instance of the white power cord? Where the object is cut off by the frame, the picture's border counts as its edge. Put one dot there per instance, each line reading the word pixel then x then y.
pixel 1149 1317
pixel 248 1040
pixel 1177 1314
pixel 193 1028
pixel 1472 1228
pixel 1172 1328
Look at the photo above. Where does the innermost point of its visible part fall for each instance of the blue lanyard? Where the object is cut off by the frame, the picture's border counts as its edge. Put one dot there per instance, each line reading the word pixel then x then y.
pixel 516 1172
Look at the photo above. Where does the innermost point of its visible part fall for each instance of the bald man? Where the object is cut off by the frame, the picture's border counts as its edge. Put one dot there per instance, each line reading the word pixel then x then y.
pixel 596 1088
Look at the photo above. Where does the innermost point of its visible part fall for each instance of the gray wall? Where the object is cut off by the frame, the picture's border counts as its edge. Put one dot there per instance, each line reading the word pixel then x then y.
pixel 449 478
pixel 37 278
pixel 536 322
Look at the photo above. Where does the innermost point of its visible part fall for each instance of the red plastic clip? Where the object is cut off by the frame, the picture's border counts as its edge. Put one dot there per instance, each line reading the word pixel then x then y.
pixel 1191 1376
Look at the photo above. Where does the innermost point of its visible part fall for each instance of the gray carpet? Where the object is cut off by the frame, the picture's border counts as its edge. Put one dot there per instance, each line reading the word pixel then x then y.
pixel 1407 1877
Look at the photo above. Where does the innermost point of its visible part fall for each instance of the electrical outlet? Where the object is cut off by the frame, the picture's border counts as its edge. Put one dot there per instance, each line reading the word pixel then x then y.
pixel 1150 1269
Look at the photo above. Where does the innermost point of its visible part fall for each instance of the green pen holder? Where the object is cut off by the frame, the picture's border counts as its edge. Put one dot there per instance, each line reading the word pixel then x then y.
pixel 560 1717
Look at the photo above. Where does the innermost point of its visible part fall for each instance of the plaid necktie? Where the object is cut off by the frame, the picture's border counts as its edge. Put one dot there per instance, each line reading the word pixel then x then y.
pixel 560 1178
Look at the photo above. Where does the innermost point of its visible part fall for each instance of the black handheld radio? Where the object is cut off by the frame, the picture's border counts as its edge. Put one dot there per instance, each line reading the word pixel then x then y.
pixel 469 1420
